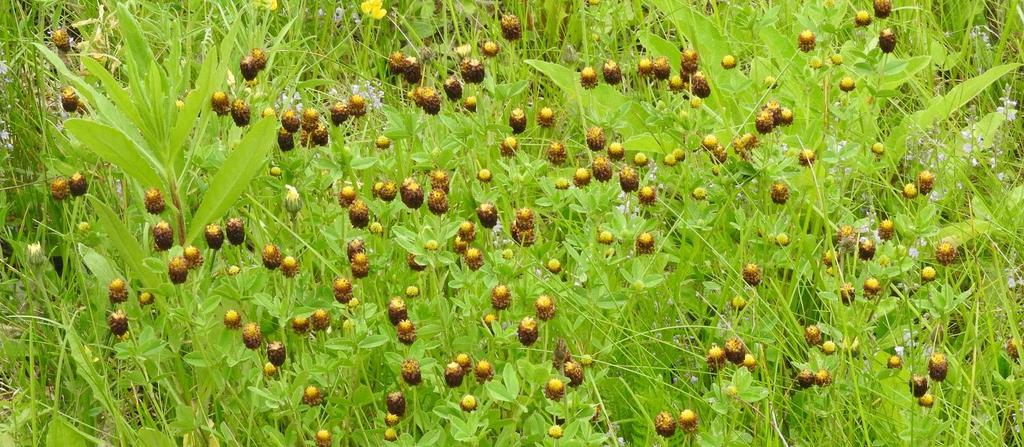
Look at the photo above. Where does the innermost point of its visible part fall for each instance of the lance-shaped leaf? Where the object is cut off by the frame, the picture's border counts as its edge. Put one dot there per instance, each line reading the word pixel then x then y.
pixel 115 147
pixel 234 175
pixel 131 252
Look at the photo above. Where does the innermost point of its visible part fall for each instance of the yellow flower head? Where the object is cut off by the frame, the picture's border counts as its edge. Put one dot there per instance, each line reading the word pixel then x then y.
pixel 267 4
pixel 374 9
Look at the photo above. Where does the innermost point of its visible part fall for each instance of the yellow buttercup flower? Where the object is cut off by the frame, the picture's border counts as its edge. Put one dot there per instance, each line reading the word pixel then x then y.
pixel 374 9
pixel 267 4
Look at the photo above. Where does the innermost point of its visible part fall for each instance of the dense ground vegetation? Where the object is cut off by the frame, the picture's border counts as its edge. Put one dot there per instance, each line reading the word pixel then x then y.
pixel 458 222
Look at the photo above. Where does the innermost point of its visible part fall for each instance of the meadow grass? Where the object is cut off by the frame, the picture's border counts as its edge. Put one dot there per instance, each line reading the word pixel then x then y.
pixel 782 257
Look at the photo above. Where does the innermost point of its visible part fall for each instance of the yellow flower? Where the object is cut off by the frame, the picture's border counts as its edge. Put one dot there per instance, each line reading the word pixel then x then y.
pixel 267 4
pixel 374 9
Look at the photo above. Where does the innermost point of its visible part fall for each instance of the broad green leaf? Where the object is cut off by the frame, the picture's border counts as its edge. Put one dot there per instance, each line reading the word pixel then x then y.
pixel 115 147
pixel 122 240
pixel 563 77
pixel 659 46
pixel 962 232
pixel 115 91
pixel 941 107
pixel 234 175
pixel 60 434
pixel 151 437
pixel 907 70
pixel 509 379
pixel 106 110
pixel 189 114
pixel 98 265
pixel 373 341
pixel 698 29
pixel 139 54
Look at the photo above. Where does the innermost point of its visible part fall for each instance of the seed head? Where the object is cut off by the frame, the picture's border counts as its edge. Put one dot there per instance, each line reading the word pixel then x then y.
pixel 588 77
pixel 117 291
pixel 453 374
pixel 276 353
pixel 847 293
pixel 866 249
pixel 483 371
pixel 554 389
pixel 395 402
pixel 61 39
pixel 945 253
pixel 612 72
pixel 356 106
pixel 240 113
pixel 78 185
pixel 510 27
pixel 527 331
pixel 716 358
pixel 411 372
pixel 474 258
pixel 412 194
pixel 517 120
pixel 823 378
pixel 192 256
pixel 300 324
pixel 154 201
pixel 938 367
pixel 779 193
pixel 894 362
pixel 252 336
pixel 321 320
pixel 232 319
pixel 872 287
pixel 689 61
pixel 806 41
pixel 406 332
pixel 665 424
pixel 918 385
pixel 289 267
pixel 688 421
pixel 735 350
pixel 661 69
pixel 887 40
pixel 487 214
pixel 574 371
pixel 220 103
pixel 472 72
pixel 699 85
pixel 752 274
pixel 764 122
pixel 312 396
pixel 177 270
pixel 544 307
pixel 925 181
pixel 501 297
pixel 805 378
pixel 645 67
pixel 644 243
pixel 883 8
pixel 118 323
pixel 728 62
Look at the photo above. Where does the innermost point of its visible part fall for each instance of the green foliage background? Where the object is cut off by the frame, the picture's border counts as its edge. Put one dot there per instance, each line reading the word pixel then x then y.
pixel 642 323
